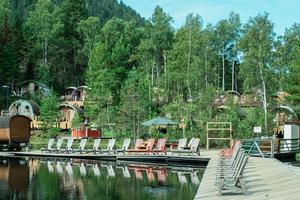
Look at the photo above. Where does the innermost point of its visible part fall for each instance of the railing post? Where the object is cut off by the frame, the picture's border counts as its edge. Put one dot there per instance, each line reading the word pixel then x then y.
pixel 272 148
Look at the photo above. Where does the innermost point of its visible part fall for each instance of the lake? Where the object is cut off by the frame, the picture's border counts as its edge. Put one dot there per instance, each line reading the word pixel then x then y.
pixel 33 178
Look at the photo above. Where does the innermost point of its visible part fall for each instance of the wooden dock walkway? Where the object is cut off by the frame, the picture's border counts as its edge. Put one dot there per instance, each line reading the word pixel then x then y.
pixel 266 178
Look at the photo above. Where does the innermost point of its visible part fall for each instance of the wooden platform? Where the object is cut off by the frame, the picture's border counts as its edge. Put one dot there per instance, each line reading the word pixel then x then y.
pixel 266 178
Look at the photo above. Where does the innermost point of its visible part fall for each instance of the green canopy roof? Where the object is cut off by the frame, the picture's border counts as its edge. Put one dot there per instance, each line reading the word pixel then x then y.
pixel 159 121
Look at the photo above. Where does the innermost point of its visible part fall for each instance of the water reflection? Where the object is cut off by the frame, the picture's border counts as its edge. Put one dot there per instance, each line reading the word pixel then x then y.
pixel 78 179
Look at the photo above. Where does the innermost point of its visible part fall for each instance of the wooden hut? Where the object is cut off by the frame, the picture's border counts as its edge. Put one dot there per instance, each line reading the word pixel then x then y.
pixel 27 108
pixel 14 130
pixel 67 94
pixel 68 113
pixel 74 96
pixel 32 88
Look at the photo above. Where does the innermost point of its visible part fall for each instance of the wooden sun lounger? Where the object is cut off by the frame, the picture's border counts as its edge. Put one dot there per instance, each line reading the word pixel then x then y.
pixel 193 149
pixel 58 146
pixel 110 147
pixel 229 152
pixel 96 146
pixel 160 146
pixel 180 145
pixel 144 149
pixel 82 144
pixel 235 178
pixel 69 147
pixel 49 146
pixel 125 146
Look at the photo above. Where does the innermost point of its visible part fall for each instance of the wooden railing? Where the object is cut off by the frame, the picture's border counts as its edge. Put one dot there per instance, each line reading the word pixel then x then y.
pixel 268 147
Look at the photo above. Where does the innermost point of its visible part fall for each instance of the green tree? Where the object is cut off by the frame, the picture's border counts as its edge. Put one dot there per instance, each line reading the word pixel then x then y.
pixel 227 31
pixel 288 63
pixel 90 30
pixel 50 114
pixel 43 26
pixel 257 46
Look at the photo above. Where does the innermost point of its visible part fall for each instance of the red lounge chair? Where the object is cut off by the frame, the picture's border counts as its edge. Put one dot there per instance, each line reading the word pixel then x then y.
pixel 227 153
pixel 139 144
pixel 146 148
pixel 160 146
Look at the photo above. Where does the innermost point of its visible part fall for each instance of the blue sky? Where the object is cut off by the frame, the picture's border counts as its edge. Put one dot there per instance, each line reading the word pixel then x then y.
pixel 283 13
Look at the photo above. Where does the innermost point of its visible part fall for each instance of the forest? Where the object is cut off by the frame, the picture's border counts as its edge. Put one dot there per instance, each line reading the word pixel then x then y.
pixel 137 68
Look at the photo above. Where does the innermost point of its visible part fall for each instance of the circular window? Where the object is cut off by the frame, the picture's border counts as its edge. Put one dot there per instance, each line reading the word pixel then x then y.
pixel 27 107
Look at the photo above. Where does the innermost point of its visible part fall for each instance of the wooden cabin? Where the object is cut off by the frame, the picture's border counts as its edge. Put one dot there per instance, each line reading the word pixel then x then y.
pixel 32 88
pixel 74 96
pixel 27 108
pixel 14 130
pixel 68 113
pixel 222 99
pixel 250 98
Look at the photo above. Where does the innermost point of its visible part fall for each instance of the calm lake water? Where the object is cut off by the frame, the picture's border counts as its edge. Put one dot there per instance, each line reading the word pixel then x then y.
pixel 77 179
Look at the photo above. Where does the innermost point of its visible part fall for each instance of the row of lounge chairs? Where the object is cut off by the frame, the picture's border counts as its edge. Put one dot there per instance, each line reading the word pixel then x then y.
pixel 141 146
pixel 230 168
pixel 152 173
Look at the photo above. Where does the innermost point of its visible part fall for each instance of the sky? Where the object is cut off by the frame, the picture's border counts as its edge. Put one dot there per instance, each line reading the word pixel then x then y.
pixel 283 13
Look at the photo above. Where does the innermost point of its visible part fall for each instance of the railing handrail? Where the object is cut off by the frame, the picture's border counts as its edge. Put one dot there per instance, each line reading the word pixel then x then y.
pixel 277 145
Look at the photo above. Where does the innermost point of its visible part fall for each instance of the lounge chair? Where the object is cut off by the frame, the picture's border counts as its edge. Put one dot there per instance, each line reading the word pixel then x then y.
pixel 228 152
pixel 234 178
pixel 180 145
pixel 58 145
pixel 125 146
pixel 193 147
pixel 81 147
pixel 139 144
pixel 96 146
pixel 160 146
pixel 145 148
pixel 69 147
pixel 49 146
pixel 110 147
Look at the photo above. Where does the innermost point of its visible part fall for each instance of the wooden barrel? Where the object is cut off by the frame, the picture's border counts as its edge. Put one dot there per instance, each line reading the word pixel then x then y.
pixel 14 129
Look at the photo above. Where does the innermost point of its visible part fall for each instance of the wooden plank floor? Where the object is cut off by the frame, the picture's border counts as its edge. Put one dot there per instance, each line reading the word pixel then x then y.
pixel 266 178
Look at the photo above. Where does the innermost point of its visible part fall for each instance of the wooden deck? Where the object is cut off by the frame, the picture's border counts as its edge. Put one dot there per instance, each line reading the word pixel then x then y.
pixel 266 178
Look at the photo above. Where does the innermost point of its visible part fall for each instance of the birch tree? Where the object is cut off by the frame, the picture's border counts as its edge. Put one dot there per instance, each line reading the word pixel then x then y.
pixel 257 47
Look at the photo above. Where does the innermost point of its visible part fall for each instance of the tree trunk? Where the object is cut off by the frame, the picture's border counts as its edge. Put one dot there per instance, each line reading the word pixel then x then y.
pixel 206 75
pixel 232 77
pixel 45 52
pixel 189 64
pixel 263 82
pixel 223 70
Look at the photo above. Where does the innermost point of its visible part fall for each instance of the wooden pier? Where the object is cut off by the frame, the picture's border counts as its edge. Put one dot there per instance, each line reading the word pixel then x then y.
pixel 266 178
